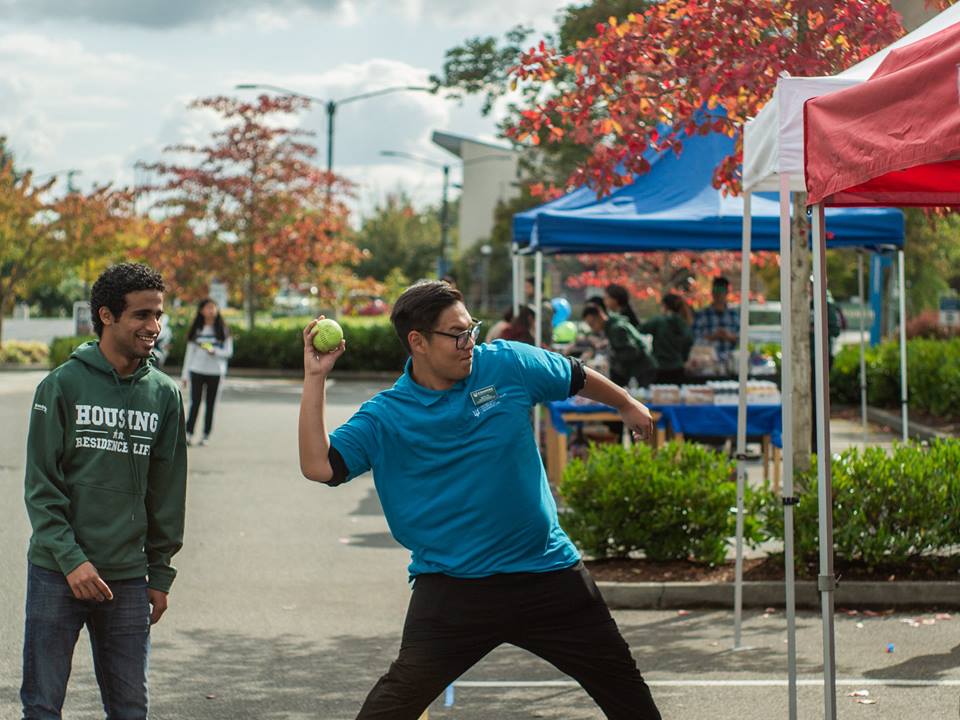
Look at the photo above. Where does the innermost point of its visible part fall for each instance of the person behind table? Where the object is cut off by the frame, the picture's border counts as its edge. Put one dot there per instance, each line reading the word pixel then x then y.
pixel 462 485
pixel 105 489
pixel 617 300
pixel 522 326
pixel 672 339
pixel 209 348
pixel 718 324
pixel 628 357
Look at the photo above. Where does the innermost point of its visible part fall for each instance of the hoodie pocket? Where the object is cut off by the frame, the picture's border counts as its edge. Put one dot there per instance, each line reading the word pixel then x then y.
pixel 109 525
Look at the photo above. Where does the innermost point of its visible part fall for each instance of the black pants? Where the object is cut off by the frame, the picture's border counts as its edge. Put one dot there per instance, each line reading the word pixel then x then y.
pixel 560 616
pixel 198 384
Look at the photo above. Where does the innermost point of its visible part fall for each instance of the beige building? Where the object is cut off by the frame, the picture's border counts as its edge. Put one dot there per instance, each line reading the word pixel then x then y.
pixel 489 177
pixel 914 12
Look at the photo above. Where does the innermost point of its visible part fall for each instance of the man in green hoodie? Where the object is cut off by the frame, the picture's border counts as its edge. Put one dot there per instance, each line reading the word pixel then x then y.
pixel 105 488
pixel 628 357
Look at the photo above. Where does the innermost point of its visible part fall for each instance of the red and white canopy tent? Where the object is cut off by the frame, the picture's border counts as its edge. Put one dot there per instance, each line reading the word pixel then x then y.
pixel 893 140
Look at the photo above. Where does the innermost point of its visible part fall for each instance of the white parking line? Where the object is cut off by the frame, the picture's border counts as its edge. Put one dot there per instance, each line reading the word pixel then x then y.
pixel 714 683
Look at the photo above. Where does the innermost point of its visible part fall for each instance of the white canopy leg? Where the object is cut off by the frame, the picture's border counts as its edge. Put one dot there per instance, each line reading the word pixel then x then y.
pixel 826 582
pixel 903 349
pixel 786 393
pixel 744 359
pixel 863 361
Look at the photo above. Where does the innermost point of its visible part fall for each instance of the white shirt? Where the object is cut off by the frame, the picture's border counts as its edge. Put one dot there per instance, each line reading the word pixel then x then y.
pixel 199 359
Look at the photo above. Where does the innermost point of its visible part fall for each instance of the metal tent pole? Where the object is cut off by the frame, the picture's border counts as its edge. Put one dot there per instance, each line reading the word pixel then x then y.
pixel 786 393
pixel 863 360
pixel 538 332
pixel 826 582
pixel 517 279
pixel 903 348
pixel 744 359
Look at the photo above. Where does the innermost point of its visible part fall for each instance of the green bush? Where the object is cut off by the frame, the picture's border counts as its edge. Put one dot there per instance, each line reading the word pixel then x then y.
pixel 673 504
pixel 371 346
pixel 933 379
pixel 61 347
pixel 23 352
pixel 887 508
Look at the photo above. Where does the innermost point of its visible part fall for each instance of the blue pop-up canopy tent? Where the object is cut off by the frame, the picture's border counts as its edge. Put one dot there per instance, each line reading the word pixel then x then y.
pixel 675 207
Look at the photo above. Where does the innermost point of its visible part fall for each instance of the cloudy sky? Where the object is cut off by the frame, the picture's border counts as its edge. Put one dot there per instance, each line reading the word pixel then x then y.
pixel 97 85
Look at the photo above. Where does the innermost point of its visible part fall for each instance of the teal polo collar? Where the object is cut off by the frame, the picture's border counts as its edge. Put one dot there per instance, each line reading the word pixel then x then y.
pixel 426 396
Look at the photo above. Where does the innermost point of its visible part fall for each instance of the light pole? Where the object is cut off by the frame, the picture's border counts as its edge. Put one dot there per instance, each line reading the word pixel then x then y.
pixel 444 211
pixel 444 207
pixel 332 105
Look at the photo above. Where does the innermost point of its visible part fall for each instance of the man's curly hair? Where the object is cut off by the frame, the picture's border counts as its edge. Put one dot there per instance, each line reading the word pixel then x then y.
pixel 114 283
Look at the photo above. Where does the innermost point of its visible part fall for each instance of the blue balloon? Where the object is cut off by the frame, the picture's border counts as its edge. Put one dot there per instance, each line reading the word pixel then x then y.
pixel 561 310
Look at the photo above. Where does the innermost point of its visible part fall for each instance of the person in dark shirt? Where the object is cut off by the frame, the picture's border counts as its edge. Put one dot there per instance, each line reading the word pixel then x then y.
pixel 672 339
pixel 628 358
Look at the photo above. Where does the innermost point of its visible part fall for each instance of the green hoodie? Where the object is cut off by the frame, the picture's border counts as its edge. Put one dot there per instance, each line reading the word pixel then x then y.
pixel 106 470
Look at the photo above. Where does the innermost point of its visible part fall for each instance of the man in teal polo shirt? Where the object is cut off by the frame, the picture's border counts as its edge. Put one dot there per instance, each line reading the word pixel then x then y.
pixel 463 488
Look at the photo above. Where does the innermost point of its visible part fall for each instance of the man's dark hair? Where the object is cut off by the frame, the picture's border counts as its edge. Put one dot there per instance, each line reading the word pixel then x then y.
pixel 114 283
pixel 721 282
pixel 420 306
pixel 591 310
pixel 598 301
pixel 673 302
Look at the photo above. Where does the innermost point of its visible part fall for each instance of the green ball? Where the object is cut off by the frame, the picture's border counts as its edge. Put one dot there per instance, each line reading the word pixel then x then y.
pixel 565 332
pixel 328 337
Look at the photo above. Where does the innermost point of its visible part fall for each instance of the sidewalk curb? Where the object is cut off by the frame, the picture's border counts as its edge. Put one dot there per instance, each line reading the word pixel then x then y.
pixel 894 421
pixel 677 595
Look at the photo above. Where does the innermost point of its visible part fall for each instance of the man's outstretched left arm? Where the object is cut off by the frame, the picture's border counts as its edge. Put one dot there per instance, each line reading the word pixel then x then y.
pixel 635 414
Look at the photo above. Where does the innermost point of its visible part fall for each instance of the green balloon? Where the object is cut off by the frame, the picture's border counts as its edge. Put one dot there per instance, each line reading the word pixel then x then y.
pixel 565 332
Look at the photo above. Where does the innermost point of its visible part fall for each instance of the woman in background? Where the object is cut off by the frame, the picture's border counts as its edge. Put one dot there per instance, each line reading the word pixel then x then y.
pixel 209 347
pixel 672 338
pixel 617 300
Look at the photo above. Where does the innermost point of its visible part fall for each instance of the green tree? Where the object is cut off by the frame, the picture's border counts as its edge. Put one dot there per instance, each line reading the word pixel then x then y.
pixel 27 231
pixel 396 236
pixel 932 253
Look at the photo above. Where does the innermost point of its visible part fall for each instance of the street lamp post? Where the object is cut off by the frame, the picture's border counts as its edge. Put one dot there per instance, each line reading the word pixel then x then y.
pixel 332 105
pixel 444 205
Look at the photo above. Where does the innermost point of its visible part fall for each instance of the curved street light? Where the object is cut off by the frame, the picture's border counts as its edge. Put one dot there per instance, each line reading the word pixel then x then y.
pixel 332 105
pixel 444 211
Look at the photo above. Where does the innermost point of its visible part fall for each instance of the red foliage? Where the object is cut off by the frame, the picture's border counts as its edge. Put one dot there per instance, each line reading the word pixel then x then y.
pixel 638 85
pixel 252 207
pixel 652 275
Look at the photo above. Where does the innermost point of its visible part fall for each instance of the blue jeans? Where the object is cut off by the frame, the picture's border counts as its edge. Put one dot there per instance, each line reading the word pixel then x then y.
pixel 119 635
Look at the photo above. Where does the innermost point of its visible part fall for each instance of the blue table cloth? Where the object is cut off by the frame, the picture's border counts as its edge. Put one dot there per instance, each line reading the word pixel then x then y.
pixel 715 420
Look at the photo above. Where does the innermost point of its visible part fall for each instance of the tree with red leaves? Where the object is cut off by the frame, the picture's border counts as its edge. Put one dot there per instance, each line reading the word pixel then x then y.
pixel 638 84
pixel 253 206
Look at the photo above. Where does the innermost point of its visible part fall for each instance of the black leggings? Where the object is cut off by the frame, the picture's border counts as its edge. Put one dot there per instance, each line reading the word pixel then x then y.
pixel 198 383
pixel 560 616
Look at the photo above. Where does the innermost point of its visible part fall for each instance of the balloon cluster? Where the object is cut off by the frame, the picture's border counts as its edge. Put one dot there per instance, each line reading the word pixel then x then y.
pixel 564 330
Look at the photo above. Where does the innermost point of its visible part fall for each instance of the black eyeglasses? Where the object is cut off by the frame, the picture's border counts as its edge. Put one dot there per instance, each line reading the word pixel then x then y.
pixel 466 337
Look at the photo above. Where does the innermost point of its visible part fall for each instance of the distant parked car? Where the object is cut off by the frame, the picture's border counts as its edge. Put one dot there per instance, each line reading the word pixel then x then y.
pixel 367 306
pixel 765 326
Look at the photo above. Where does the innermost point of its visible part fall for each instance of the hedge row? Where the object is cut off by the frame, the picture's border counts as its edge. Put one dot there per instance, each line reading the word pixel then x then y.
pixel 23 352
pixel 888 508
pixel 370 346
pixel 674 504
pixel 933 377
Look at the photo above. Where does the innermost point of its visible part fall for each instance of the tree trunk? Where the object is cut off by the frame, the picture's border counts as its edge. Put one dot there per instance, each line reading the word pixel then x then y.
pixel 3 311
pixel 250 301
pixel 800 295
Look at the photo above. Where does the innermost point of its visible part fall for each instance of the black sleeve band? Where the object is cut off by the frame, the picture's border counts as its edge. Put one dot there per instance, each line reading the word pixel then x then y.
pixel 578 376
pixel 340 471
